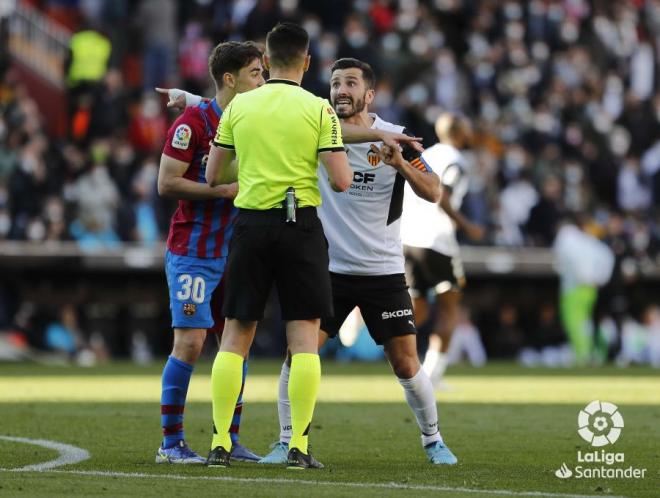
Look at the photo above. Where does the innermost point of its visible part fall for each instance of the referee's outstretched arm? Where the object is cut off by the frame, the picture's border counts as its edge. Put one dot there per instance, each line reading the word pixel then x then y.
pixel 339 172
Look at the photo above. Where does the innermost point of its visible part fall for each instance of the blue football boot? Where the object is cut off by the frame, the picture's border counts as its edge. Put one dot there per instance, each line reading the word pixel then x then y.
pixel 439 454
pixel 179 454
pixel 277 455
pixel 241 454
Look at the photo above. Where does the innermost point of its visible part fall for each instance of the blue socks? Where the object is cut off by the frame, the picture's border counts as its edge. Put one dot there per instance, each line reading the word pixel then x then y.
pixel 176 378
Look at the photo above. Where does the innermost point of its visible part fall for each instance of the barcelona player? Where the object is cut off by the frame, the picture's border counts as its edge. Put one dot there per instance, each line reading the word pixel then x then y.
pixel 198 241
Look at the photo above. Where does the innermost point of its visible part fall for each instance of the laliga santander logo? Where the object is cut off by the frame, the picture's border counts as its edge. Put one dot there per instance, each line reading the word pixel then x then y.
pixel 600 423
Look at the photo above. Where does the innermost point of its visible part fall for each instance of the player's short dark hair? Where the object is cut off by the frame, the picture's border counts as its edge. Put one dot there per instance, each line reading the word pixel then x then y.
pixel 368 74
pixel 286 44
pixel 231 57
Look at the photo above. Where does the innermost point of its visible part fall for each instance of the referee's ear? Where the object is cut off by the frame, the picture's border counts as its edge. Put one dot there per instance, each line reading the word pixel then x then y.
pixel 266 61
pixel 308 59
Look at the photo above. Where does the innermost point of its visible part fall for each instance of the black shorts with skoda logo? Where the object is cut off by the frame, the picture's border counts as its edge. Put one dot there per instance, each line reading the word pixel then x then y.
pixel 383 301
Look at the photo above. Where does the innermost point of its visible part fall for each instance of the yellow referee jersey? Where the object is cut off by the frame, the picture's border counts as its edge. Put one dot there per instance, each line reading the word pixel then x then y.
pixel 277 131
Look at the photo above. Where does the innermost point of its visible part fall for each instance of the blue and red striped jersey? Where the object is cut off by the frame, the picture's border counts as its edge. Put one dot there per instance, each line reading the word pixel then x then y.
pixel 200 229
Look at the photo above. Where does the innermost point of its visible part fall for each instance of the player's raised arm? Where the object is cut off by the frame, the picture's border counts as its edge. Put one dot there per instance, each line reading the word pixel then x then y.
pixel 424 182
pixel 353 134
pixel 179 99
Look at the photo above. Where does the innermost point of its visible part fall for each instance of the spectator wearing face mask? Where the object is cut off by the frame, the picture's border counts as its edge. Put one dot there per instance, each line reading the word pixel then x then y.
pixel 148 126
pixel 97 201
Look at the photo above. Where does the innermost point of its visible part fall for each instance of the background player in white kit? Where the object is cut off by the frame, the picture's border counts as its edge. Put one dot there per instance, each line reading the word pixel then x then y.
pixel 366 255
pixel 428 232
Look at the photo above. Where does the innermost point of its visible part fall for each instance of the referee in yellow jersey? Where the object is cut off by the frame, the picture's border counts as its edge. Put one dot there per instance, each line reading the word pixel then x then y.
pixel 278 133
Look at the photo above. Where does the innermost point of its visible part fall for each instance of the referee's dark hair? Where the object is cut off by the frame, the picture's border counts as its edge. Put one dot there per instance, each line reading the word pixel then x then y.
pixel 368 74
pixel 231 57
pixel 287 44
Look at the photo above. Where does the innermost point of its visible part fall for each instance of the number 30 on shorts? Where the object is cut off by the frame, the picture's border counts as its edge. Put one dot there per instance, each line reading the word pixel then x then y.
pixel 191 288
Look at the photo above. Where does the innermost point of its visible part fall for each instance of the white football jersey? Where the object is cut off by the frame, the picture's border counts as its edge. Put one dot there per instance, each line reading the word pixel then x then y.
pixel 425 224
pixel 362 225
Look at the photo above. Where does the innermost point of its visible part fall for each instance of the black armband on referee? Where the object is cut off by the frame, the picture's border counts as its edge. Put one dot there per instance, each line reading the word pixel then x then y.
pixel 331 149
pixel 224 146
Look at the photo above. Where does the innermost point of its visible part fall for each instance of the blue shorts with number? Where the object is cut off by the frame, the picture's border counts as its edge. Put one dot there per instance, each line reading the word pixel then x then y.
pixel 192 282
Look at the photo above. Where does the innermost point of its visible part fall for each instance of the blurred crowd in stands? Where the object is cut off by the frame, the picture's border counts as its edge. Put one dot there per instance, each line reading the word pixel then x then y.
pixel 564 96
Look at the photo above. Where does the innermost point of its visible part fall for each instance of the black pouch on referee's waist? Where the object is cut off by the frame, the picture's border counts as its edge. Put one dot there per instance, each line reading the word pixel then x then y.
pixel 290 205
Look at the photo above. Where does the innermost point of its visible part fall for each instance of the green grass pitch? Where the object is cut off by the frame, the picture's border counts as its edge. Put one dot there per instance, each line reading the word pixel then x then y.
pixel 510 427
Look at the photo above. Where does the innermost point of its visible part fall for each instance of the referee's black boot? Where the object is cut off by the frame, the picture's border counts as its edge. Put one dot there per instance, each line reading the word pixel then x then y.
pixel 218 457
pixel 298 460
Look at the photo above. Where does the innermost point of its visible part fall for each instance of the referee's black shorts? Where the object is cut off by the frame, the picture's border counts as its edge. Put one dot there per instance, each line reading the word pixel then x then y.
pixel 264 249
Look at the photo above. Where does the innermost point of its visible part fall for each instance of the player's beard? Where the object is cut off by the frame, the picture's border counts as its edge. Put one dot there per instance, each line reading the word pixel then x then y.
pixel 356 108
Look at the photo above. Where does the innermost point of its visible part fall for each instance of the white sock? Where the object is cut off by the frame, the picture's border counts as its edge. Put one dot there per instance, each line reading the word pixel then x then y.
pixel 420 398
pixel 430 361
pixel 283 405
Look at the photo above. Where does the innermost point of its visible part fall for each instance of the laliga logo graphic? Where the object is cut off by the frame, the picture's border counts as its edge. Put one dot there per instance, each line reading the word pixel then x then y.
pixel 600 423
pixel 183 133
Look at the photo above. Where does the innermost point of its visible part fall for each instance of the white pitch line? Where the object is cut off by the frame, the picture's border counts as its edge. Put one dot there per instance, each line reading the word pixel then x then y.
pixel 68 454
pixel 71 454
pixel 360 485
